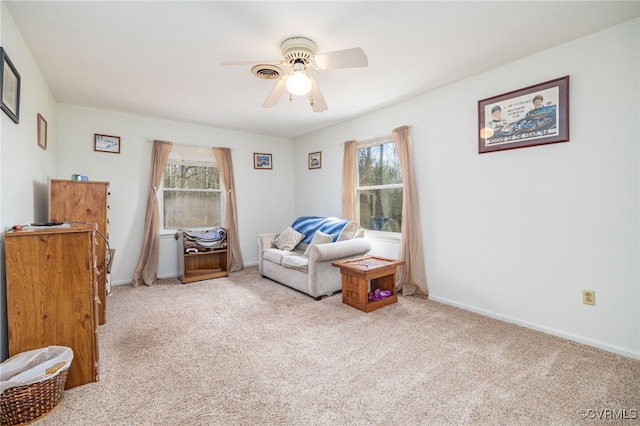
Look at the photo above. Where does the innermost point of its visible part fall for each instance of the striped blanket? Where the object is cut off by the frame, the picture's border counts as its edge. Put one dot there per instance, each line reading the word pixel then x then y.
pixel 308 225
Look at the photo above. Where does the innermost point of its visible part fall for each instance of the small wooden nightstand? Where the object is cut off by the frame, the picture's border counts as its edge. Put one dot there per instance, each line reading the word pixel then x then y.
pixel 362 275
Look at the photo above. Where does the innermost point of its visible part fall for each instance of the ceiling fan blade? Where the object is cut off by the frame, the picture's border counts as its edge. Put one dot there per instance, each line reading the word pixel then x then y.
pixel 276 93
pixel 315 97
pixel 349 58
pixel 234 63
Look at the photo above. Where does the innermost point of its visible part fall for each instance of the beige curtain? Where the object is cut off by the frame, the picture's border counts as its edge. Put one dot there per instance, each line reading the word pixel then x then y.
pixel 349 184
pixel 225 165
pixel 147 267
pixel 412 278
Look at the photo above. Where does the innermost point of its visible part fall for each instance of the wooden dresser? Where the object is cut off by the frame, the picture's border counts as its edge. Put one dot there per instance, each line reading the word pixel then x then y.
pixel 51 295
pixel 85 202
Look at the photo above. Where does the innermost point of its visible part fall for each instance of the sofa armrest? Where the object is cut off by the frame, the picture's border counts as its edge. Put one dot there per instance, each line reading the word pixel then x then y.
pixel 339 250
pixel 265 241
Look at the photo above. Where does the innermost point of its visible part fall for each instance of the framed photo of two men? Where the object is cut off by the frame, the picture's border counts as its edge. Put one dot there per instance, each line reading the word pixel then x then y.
pixel 535 115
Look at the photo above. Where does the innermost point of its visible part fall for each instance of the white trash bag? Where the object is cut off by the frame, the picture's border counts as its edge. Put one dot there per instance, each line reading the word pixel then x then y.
pixel 34 366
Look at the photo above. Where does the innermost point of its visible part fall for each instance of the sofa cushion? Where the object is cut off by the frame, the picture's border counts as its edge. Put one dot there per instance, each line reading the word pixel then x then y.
pixel 318 238
pixel 288 239
pixel 276 255
pixel 300 263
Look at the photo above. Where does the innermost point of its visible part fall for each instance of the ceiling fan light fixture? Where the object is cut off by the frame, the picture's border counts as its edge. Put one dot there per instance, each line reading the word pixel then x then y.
pixel 299 53
pixel 299 83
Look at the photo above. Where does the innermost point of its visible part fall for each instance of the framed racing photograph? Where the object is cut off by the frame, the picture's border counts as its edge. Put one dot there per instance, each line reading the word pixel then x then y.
pixel 535 115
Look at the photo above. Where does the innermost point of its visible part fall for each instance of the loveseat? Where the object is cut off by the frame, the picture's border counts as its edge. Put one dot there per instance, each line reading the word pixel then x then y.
pixel 300 257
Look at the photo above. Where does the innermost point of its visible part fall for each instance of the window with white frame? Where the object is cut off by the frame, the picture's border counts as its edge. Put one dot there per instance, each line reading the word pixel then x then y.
pixel 379 185
pixel 192 196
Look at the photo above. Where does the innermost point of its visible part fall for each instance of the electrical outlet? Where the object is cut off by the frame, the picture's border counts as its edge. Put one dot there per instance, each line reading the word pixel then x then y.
pixel 589 297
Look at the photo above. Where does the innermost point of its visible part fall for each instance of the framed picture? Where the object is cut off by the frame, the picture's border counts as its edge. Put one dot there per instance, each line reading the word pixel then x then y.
pixel 535 115
pixel 262 161
pixel 42 132
pixel 106 143
pixel 10 87
pixel 315 160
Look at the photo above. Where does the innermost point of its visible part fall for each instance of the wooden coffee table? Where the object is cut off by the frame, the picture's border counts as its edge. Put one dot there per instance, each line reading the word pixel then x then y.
pixel 366 274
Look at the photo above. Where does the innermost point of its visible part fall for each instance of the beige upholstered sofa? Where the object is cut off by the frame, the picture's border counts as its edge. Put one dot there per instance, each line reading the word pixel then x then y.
pixel 306 266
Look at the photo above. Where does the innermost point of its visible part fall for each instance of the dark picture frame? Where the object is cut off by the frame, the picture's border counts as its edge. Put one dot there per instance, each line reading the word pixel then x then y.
pixel 106 143
pixel 262 161
pixel 315 160
pixel 42 132
pixel 535 115
pixel 10 87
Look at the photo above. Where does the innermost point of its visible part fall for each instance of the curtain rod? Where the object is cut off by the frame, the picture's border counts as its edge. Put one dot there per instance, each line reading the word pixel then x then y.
pixel 379 136
pixel 372 139
pixel 384 135
pixel 190 144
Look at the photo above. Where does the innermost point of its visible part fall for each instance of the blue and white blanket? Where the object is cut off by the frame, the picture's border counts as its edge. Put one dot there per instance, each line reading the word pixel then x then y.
pixel 308 225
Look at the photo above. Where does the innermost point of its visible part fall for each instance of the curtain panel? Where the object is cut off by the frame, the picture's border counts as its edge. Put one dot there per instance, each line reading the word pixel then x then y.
pixel 147 268
pixel 225 165
pixel 411 278
pixel 349 182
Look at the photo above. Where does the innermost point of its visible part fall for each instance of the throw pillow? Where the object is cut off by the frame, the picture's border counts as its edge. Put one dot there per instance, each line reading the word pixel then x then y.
pixel 288 239
pixel 349 231
pixel 318 238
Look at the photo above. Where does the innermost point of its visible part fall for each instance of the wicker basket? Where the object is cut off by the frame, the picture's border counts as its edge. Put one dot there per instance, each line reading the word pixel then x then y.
pixel 25 404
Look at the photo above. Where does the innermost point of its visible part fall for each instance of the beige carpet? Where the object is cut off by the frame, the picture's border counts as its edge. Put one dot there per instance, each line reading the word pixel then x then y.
pixel 247 351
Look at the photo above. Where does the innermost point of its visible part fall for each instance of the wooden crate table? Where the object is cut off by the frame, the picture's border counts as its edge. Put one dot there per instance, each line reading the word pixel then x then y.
pixel 363 275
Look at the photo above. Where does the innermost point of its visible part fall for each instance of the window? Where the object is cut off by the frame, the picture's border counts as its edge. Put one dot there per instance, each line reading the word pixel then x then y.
pixel 379 185
pixel 191 195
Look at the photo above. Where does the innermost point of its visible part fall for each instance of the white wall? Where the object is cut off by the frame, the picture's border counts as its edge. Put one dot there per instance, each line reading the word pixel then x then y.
pixel 25 168
pixel 264 200
pixel 518 234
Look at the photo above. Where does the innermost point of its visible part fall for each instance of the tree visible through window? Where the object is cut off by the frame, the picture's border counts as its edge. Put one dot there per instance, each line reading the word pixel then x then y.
pixel 380 186
pixel 192 197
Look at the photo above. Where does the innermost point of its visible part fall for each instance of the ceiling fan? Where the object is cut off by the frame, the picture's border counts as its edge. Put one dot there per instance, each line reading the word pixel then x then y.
pixel 299 54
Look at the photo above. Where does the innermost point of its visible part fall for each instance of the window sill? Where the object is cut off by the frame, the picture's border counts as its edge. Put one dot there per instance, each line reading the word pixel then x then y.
pixel 172 232
pixel 384 236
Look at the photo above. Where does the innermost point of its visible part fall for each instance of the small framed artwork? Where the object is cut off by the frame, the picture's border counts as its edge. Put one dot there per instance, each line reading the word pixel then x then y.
pixel 42 132
pixel 535 115
pixel 10 87
pixel 262 161
pixel 315 160
pixel 106 143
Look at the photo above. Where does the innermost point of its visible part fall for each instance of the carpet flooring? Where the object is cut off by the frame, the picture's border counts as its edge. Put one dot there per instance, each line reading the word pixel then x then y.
pixel 244 350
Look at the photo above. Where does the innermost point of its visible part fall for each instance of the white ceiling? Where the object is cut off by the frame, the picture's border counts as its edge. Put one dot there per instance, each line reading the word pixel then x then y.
pixel 162 58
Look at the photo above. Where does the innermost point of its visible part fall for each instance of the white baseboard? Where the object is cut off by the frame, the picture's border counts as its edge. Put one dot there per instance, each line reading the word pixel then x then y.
pixel 175 275
pixel 559 333
pixel 128 282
